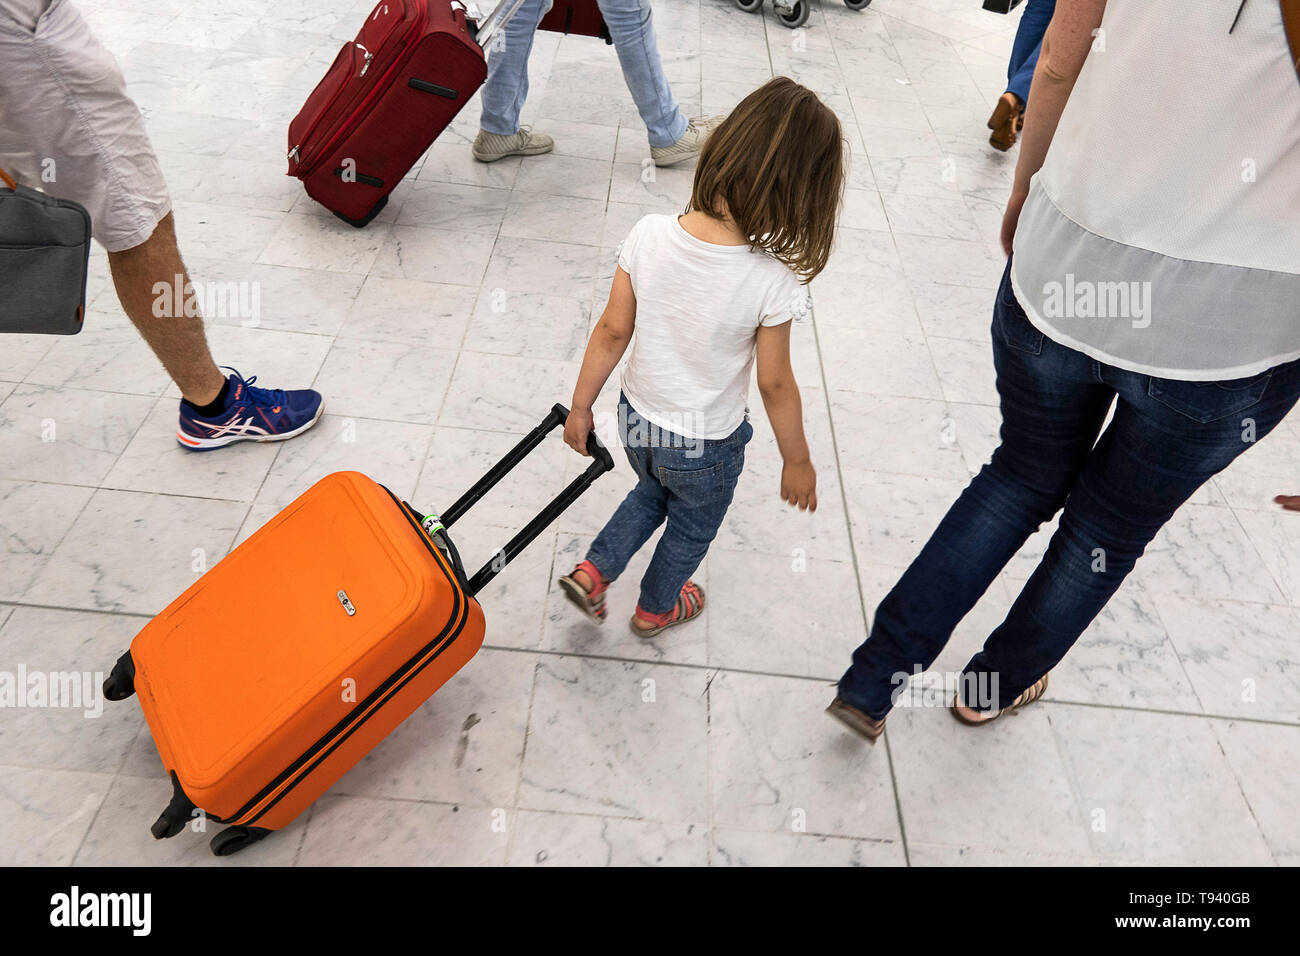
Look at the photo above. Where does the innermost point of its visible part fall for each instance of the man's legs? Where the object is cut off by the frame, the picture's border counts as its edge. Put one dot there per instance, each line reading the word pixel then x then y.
pixel 178 341
pixel 1154 455
pixel 506 90
pixel 63 101
pixel 1053 406
pixel 631 26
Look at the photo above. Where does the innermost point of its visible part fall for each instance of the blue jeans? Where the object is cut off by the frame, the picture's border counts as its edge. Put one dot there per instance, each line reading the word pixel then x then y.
pixel 687 481
pixel 1167 439
pixel 631 26
pixel 1028 44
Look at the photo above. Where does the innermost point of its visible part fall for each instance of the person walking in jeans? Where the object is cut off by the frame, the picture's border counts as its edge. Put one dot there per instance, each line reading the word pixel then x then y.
pixel 673 138
pixel 1009 115
pixel 703 299
pixel 1153 272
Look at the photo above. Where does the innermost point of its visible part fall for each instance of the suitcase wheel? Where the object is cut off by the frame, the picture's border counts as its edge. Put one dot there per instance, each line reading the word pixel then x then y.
pixel 233 839
pixel 120 683
pixel 749 6
pixel 795 15
pixel 857 4
pixel 365 220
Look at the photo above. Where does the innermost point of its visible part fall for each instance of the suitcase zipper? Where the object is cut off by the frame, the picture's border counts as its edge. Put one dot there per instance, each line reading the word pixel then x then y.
pixel 359 714
pixel 311 156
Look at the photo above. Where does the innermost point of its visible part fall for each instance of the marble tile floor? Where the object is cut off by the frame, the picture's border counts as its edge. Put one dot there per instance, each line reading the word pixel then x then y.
pixel 1171 734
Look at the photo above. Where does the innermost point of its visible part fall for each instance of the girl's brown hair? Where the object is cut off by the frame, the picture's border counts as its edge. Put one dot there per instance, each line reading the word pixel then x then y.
pixel 775 165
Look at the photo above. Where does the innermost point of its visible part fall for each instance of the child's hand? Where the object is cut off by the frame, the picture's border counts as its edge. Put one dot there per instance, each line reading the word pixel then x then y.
pixel 799 485
pixel 577 427
pixel 1289 502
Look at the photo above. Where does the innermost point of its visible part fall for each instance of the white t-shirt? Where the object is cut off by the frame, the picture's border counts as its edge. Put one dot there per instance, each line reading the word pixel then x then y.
pixel 698 309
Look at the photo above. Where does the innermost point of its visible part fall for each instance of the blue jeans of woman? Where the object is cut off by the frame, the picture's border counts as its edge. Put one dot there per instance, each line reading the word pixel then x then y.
pixel 1167 439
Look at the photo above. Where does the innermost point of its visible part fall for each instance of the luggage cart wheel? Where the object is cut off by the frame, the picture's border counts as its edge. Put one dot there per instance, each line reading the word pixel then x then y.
pixel 857 4
pixel 749 6
pixel 795 15
pixel 120 682
pixel 233 839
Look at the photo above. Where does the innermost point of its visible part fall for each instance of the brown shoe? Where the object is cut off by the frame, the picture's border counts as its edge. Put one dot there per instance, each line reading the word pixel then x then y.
pixel 856 720
pixel 1005 122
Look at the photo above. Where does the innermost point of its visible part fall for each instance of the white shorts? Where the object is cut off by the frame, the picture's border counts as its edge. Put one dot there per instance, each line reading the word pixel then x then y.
pixel 67 126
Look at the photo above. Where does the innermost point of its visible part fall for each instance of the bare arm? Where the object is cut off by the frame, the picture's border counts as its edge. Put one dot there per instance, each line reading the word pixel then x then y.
pixel 1066 45
pixel 608 342
pixel 784 406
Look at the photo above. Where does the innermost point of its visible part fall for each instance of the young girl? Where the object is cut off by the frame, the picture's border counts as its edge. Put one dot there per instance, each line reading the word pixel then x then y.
pixel 705 292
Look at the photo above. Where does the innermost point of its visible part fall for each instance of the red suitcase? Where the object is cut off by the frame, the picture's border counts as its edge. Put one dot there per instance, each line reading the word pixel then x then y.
pixel 580 17
pixel 387 96
pixel 371 611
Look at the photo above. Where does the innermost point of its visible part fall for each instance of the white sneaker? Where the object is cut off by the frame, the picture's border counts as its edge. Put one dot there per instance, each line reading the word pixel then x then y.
pixel 688 145
pixel 489 147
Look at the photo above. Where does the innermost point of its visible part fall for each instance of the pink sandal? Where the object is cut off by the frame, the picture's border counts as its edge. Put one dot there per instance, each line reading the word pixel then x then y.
pixel 690 602
pixel 591 603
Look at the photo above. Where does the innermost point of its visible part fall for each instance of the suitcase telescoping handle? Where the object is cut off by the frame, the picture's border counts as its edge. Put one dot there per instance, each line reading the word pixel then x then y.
pixel 488 26
pixel 602 462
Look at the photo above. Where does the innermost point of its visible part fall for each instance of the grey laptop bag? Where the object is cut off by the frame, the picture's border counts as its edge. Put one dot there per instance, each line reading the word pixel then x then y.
pixel 44 251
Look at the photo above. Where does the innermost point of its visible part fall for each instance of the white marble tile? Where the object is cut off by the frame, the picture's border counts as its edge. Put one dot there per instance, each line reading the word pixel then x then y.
pixel 385 380
pixel 433 314
pixel 566 839
pixel 1006 786
pixel 319 242
pixel 464 745
pixel 531 265
pixel 1266 760
pixel 560 218
pixel 1154 787
pixel 777 763
pixel 745 848
pixel 390 452
pixel 287 299
pixel 434 205
pixel 44 814
pixel 605 736
pixel 893 515
pixel 72 727
pixel 135 552
pixel 1204 552
pixel 108 355
pixel 34 517
pixel 357 831
pixel 1243 660
pixel 1276 536
pixel 783 614
pixel 505 392
pixel 49 432
pixel 900 364
pixel 529 323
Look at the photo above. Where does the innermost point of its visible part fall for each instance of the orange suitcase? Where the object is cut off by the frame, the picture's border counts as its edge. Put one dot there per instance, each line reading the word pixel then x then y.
pixel 368 611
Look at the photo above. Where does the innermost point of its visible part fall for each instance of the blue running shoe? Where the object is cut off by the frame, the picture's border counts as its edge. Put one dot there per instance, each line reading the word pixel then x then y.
pixel 251 414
